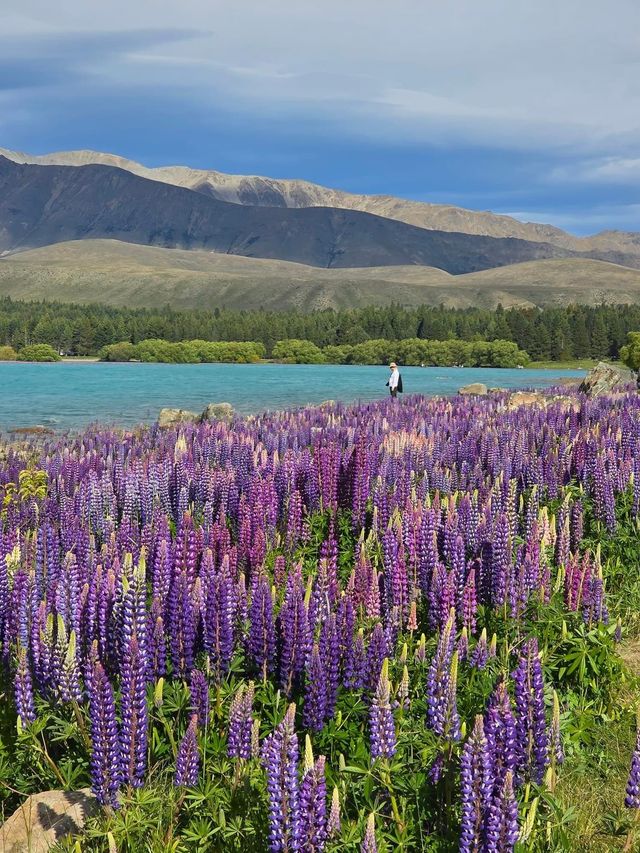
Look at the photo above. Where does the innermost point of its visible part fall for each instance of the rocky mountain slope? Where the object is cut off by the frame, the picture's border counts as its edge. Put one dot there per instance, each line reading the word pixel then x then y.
pixel 260 191
pixel 41 205
pixel 119 273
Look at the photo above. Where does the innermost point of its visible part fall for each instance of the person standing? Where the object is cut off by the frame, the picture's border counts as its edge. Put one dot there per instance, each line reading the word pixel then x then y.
pixel 395 380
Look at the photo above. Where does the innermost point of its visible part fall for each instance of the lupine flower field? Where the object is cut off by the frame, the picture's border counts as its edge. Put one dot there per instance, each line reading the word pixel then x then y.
pixel 384 627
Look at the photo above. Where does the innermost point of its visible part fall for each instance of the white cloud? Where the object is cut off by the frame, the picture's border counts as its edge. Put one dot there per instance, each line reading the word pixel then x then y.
pixel 623 217
pixel 545 75
pixel 607 170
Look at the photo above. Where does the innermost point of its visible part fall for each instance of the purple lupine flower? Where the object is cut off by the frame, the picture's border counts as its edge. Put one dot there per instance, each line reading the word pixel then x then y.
pixel 313 803
pixel 261 642
pixel 576 525
pixel 134 712
pixel 329 648
pixel 632 797
pixel 188 758
pixel 500 732
pixel 280 759
pixel 502 828
pixel 315 698
pixel 346 623
pixel 480 654
pixel 476 785
pixel 381 724
pixel 531 729
pixel 199 697
pixel 181 624
pixel 442 715
pixel 241 723
pixel 369 840
pixel 105 753
pixel 219 620
pixel 434 774
pixel 333 823
pixel 23 688
pixel 294 631
pixel 469 604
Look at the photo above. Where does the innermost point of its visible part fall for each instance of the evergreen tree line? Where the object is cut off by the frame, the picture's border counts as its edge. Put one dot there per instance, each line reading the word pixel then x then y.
pixel 551 333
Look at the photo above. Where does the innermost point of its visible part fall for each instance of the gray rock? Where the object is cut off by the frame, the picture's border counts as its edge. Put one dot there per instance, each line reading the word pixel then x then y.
pixel 526 398
pixel 172 417
pixel 605 378
pixel 217 412
pixel 478 388
pixel 45 819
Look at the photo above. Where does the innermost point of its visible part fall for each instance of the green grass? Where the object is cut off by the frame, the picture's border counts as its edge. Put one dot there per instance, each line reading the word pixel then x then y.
pixel 566 364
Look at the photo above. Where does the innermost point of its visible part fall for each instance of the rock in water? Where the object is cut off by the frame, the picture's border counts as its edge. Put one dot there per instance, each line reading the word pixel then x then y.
pixel 478 388
pixel 605 378
pixel 171 417
pixel 217 412
pixel 45 819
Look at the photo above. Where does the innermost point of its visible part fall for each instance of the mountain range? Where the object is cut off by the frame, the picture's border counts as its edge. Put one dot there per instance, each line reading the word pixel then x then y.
pixel 239 240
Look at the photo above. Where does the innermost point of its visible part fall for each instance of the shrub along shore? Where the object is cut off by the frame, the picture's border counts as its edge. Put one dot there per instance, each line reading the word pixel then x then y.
pixel 411 351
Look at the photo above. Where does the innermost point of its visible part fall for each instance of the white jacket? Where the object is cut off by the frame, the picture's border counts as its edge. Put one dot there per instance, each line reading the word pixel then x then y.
pixel 393 379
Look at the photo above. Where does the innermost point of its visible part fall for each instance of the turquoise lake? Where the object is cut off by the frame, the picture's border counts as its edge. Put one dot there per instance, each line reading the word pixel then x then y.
pixel 70 395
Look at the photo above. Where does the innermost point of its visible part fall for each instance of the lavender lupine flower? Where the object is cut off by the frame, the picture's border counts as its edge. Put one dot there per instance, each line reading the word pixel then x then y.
pixel 188 758
pixel 333 823
pixel 502 828
pixel 23 688
pixel 315 699
pixel 531 729
pixel 199 697
pixel 381 724
pixel 280 759
pixel 133 705
pixel 476 785
pixel 369 841
pixel 105 752
pixel 239 743
pixel 313 803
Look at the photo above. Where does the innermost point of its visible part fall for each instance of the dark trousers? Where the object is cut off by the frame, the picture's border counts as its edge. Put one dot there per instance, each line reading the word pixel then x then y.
pixel 393 392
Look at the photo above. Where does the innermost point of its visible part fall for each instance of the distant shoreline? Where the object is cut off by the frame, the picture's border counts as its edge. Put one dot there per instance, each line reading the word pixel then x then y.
pixel 574 364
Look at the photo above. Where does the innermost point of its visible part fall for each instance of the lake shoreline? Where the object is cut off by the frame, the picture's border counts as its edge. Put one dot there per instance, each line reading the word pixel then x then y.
pixel 74 394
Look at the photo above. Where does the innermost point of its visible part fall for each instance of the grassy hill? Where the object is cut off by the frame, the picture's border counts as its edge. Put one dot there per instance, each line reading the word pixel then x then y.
pixel 119 273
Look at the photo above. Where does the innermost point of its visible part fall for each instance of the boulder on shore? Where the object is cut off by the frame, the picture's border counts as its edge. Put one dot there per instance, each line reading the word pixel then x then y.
pixel 217 412
pixel 213 412
pixel 605 378
pixel 44 819
pixel 172 417
pixel 526 398
pixel 477 388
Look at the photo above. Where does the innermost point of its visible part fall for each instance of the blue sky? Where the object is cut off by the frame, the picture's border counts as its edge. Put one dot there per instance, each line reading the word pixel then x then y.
pixel 526 108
